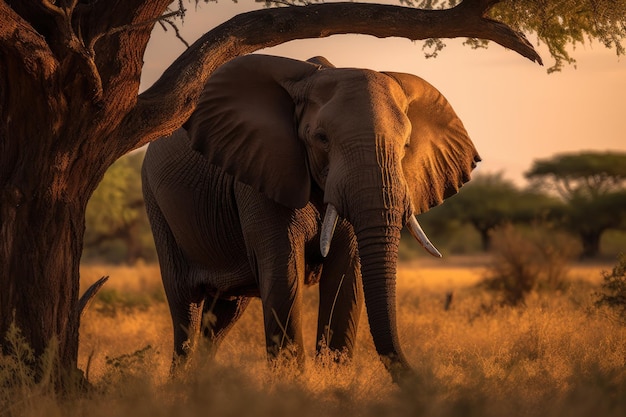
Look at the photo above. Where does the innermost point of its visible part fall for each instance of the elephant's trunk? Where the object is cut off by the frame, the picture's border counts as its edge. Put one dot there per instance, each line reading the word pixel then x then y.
pixel 378 251
pixel 373 196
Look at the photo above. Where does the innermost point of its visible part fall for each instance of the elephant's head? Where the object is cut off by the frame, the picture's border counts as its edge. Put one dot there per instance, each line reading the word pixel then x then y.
pixel 382 146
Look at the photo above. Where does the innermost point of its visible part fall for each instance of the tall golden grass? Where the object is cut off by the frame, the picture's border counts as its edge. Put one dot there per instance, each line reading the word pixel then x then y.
pixel 558 355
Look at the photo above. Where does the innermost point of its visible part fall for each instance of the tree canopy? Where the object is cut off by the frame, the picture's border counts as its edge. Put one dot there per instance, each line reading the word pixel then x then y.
pixel 560 25
pixel 581 175
pixel 593 186
pixel 564 25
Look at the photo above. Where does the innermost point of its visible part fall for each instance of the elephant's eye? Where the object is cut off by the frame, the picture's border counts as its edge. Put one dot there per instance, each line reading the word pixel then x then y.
pixel 321 138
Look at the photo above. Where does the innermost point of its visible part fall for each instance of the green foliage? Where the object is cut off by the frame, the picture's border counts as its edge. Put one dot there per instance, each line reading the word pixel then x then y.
pixel 565 24
pixel 592 191
pixel 593 187
pixel 613 291
pixel 117 225
pixel 562 25
pixel 525 261
pixel 490 201
pixel 584 175
pixel 119 197
pixel 450 236
pixel 495 200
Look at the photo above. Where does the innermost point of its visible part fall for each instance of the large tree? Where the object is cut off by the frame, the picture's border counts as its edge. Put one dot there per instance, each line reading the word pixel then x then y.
pixel 593 187
pixel 70 106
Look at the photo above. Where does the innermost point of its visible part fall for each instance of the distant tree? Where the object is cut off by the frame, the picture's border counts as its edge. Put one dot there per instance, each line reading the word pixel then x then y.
pixel 593 188
pixel 490 201
pixel 116 213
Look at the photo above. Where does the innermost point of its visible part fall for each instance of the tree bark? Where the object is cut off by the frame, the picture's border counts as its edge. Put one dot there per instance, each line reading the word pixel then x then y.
pixel 57 112
pixel 40 270
pixel 69 107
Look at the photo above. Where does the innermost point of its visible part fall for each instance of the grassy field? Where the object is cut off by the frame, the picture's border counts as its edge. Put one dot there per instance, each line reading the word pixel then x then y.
pixel 557 355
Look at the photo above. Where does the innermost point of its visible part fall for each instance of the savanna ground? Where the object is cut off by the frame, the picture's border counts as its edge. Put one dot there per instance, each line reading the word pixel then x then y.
pixel 557 354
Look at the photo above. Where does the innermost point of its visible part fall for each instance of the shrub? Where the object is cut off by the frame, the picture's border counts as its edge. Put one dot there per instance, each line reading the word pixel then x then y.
pixel 27 383
pixel 528 260
pixel 613 289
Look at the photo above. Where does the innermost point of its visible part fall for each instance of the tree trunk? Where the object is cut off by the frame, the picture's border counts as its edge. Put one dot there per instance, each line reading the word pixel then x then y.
pixel 591 243
pixel 46 182
pixel 58 115
pixel 485 239
pixel 42 216
pixel 40 248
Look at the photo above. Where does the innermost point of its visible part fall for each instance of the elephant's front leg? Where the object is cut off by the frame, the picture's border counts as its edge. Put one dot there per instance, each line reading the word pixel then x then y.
pixel 282 315
pixel 274 236
pixel 341 293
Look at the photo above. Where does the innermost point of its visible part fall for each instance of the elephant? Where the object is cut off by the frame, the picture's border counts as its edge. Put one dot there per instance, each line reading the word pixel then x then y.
pixel 291 173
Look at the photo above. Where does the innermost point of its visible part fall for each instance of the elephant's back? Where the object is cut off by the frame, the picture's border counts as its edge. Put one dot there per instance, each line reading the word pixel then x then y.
pixel 172 166
pixel 171 159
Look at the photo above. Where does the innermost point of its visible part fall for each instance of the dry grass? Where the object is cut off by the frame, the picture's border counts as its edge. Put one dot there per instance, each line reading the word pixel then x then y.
pixel 557 356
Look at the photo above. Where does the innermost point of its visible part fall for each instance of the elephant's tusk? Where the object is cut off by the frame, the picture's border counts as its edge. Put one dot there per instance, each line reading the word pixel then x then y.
pixel 419 235
pixel 328 228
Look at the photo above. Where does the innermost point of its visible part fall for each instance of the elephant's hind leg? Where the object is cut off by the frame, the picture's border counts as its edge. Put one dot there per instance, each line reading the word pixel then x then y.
pixel 185 306
pixel 218 317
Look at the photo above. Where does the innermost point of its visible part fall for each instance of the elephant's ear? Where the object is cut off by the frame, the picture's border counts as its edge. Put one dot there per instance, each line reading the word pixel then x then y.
pixel 440 155
pixel 244 123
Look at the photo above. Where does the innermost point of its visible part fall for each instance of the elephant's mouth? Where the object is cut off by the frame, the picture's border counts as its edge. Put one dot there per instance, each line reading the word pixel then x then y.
pixel 330 221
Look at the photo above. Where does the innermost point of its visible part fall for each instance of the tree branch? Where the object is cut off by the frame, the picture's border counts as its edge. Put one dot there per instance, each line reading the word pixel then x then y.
pixel 118 30
pixel 133 26
pixel 63 45
pixel 168 103
pixel 19 39
pixel 90 293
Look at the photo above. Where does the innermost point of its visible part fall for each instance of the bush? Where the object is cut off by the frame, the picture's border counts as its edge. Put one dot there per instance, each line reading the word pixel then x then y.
pixel 529 260
pixel 613 292
pixel 27 382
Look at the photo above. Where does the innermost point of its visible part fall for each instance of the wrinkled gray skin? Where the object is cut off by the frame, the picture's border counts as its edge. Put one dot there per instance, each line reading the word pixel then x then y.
pixel 236 198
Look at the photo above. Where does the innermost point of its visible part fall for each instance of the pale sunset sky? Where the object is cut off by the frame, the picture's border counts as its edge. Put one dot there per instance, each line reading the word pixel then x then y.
pixel 513 110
